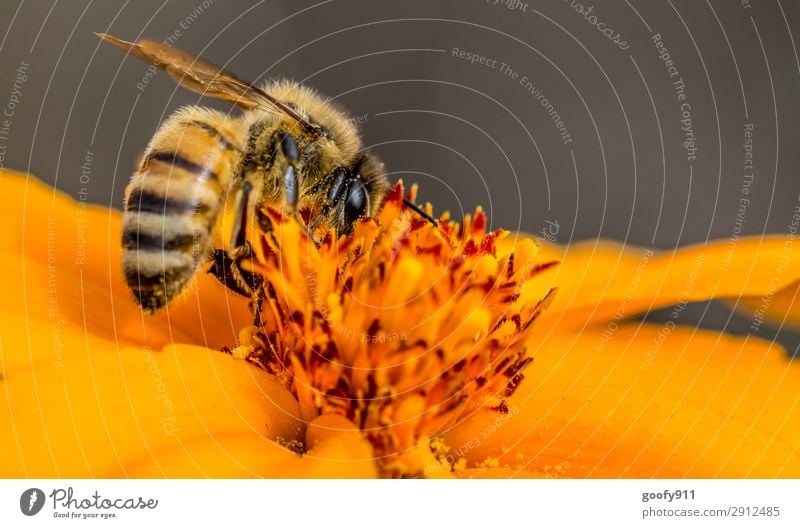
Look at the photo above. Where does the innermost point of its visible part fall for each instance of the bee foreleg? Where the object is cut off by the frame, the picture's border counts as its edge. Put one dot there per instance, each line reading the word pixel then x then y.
pixel 261 159
pixel 257 306
pixel 226 265
pixel 240 212
pixel 290 184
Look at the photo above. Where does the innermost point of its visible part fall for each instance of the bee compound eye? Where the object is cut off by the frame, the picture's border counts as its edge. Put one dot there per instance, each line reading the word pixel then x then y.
pixel 356 202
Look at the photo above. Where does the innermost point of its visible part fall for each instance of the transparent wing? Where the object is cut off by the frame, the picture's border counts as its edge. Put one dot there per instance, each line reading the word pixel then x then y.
pixel 203 77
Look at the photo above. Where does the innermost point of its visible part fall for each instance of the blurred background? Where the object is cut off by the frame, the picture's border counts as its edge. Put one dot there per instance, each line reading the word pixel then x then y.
pixel 643 122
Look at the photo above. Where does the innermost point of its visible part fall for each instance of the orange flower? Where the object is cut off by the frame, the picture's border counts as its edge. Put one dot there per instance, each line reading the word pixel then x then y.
pixel 356 366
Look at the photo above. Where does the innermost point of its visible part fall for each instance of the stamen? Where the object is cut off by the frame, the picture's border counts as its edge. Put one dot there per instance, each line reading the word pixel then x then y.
pixel 402 327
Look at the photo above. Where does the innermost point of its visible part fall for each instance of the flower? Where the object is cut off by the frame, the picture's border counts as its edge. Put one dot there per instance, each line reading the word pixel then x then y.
pixel 95 388
pixel 402 327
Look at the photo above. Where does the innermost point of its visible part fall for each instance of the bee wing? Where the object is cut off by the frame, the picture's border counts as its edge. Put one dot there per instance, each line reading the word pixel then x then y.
pixel 203 77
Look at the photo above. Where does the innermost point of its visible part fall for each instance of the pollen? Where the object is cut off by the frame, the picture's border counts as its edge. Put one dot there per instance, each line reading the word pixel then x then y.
pixel 403 327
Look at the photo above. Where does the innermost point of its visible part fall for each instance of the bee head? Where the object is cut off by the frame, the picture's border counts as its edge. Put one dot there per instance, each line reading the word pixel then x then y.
pixel 355 192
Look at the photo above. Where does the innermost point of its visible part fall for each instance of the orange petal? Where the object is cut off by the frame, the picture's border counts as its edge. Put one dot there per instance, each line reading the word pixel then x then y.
pixel 778 308
pixel 605 280
pixel 107 410
pixel 339 456
pixel 499 473
pixel 78 249
pixel 80 405
pixel 645 401
pixel 93 388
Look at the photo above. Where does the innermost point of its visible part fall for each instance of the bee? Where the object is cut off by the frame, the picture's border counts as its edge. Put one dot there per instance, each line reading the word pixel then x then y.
pixel 290 149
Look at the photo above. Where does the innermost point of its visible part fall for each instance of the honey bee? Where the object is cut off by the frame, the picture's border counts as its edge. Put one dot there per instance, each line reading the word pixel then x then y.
pixel 291 149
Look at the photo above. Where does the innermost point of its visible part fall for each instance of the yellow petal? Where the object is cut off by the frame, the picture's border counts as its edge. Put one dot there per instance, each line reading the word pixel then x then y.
pixel 604 280
pixel 645 401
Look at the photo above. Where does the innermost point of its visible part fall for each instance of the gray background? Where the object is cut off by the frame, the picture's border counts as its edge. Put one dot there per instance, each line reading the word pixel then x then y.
pixel 467 133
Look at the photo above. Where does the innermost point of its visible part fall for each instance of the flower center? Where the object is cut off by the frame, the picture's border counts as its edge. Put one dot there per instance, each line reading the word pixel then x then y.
pixel 403 328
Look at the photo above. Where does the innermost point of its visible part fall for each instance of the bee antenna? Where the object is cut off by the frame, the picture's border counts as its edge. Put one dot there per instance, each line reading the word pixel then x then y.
pixel 417 209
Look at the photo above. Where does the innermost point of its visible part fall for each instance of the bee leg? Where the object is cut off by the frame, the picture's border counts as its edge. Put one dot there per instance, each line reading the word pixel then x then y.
pixel 240 208
pixel 228 270
pixel 317 220
pixel 222 269
pixel 226 265
pixel 310 233
pixel 290 183
pixel 258 307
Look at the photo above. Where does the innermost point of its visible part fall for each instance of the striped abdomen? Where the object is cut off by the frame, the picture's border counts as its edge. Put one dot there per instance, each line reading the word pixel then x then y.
pixel 172 204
